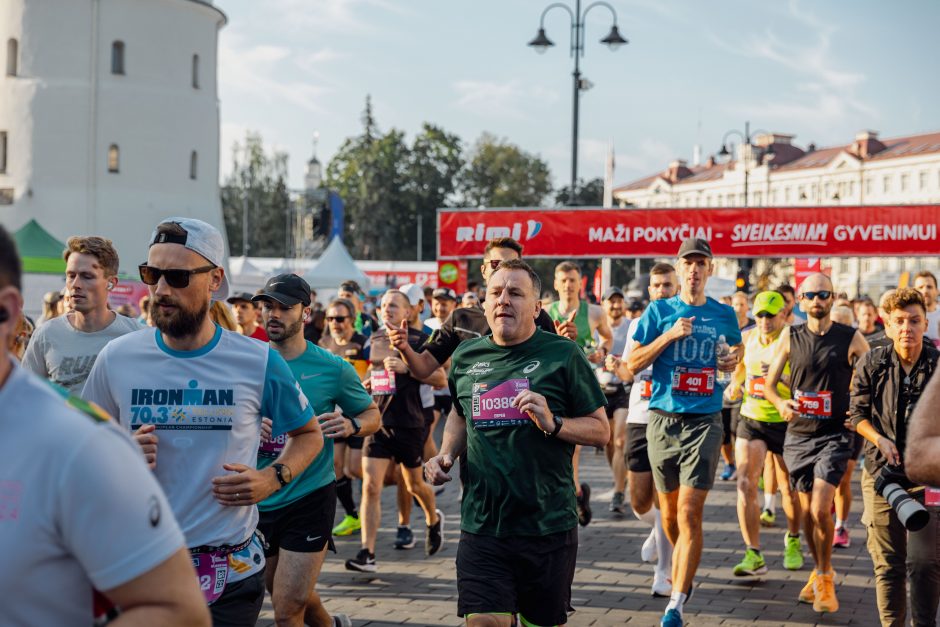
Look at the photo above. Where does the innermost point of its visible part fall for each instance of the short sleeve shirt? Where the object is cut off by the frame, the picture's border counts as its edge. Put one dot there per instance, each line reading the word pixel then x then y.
pixel 642 384
pixel 406 408
pixel 519 482
pixel 677 367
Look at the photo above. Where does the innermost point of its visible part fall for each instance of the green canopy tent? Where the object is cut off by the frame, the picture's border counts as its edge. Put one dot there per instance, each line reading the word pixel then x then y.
pixel 40 251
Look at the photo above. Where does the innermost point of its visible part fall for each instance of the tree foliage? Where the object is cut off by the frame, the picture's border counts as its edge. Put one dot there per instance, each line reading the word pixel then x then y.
pixel 589 194
pixel 500 174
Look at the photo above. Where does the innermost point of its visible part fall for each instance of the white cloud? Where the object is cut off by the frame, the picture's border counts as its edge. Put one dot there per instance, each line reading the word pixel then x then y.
pixel 500 99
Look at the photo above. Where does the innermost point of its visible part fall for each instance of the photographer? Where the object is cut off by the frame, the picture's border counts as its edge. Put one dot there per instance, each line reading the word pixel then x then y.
pixel 887 384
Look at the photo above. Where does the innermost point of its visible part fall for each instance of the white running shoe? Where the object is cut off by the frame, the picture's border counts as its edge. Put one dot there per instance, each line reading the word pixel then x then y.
pixel 662 585
pixel 648 551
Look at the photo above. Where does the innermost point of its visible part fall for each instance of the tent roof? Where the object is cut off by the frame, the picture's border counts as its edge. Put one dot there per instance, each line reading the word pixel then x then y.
pixel 334 266
pixel 40 251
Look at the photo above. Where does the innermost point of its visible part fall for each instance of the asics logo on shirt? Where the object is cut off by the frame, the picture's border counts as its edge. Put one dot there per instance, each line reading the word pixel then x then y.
pixel 532 367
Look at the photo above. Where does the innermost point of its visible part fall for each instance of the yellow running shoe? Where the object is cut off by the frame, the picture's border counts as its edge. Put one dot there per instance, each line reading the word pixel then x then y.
pixel 826 600
pixel 808 593
pixel 348 526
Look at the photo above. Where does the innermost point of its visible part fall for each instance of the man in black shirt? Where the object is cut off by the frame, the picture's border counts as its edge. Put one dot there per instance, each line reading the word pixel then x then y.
pixel 888 382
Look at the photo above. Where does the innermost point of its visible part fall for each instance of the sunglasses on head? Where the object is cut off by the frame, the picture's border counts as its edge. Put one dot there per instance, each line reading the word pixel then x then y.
pixel 822 294
pixel 336 318
pixel 175 277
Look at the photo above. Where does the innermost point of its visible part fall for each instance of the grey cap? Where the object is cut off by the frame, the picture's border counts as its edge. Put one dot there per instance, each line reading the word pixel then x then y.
pixel 200 237
pixel 695 246
pixel 612 291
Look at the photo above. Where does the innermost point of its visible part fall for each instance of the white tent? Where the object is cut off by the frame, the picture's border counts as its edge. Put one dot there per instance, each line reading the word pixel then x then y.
pixel 335 266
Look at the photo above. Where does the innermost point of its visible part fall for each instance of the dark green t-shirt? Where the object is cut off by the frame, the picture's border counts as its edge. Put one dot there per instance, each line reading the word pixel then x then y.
pixel 519 482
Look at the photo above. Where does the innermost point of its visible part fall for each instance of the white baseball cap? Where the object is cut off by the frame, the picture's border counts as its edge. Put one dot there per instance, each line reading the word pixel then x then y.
pixel 414 293
pixel 200 237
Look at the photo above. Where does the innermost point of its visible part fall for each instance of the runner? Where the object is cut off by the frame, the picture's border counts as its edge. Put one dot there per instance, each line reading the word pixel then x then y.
pixel 731 409
pixel 363 322
pixel 925 282
pixel 580 321
pixel 617 395
pixel 64 349
pixel 343 341
pixel 681 338
pixel 443 303
pixel 887 385
pixel 194 396
pixel 525 398
pixel 761 431
pixel 817 445
pixel 789 295
pixel 246 315
pixel 656 548
pixel 79 509
pixel 296 521
pixel 401 438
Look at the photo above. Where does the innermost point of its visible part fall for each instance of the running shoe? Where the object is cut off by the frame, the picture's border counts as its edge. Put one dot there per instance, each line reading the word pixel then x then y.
pixel 435 536
pixel 792 552
pixel 841 538
pixel 364 562
pixel 341 620
pixel 672 618
pixel 348 526
pixel 584 505
pixel 616 504
pixel 767 518
pixel 648 552
pixel 662 585
pixel 405 539
pixel 825 600
pixel 728 473
pixel 808 593
pixel 753 564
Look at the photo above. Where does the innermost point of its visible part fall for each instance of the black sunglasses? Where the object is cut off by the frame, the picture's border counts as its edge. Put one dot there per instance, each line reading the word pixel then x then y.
pixel 175 277
pixel 336 318
pixel 494 263
pixel 823 295
pixel 765 314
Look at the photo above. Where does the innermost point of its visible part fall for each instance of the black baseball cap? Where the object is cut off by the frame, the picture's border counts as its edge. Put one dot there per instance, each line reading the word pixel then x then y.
pixel 634 304
pixel 444 293
pixel 239 296
pixel 695 246
pixel 612 291
pixel 287 289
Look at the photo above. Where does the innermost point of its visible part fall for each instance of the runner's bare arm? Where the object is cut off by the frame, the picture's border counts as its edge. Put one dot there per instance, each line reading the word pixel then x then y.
pixel 922 455
pixel 335 425
pixel 642 356
pixel 774 372
pixel 421 364
pixel 599 321
pixel 165 595
pixel 590 430
pixel 453 446
pixel 857 348
pixel 437 379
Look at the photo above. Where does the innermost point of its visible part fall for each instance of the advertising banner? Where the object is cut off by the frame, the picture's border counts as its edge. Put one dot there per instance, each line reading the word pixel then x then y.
pixel 452 274
pixel 888 230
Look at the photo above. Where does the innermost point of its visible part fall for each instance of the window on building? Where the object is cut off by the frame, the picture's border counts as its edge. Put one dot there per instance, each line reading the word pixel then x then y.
pixel 114 159
pixel 192 165
pixel 13 55
pixel 195 71
pixel 117 57
pixel 922 181
pixel 786 195
pixel 758 199
pixel 814 193
pixel 886 184
pixel 867 187
pixel 905 178
pixel 851 188
pixel 730 200
pixel 827 191
pixel 3 152
pixel 802 195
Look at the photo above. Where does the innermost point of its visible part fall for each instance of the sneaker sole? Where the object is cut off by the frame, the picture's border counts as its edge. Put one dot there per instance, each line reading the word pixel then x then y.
pixel 402 547
pixel 440 518
pixel 361 568
pixel 751 573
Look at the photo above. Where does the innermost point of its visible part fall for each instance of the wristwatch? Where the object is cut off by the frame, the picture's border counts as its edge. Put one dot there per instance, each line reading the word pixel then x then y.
pixel 554 432
pixel 355 423
pixel 284 475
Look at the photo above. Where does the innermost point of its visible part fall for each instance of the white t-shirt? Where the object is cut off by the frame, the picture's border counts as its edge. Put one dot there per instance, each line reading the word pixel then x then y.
pixel 639 408
pixel 78 507
pixel 207 406
pixel 64 355
pixel 933 320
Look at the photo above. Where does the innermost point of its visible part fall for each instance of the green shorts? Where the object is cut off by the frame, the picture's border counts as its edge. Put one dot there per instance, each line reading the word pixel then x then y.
pixel 684 449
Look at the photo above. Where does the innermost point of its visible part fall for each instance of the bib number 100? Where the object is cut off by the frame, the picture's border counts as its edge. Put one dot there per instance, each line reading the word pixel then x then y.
pixel 690 349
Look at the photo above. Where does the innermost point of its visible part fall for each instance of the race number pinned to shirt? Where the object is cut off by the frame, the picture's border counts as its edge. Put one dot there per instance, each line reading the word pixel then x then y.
pixel 212 571
pixel 645 382
pixel 932 497
pixel 383 382
pixel 273 447
pixel 693 381
pixel 491 405
pixel 755 387
pixel 815 405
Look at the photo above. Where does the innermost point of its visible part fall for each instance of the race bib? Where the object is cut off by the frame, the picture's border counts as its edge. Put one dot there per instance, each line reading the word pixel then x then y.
pixel 273 447
pixel 491 405
pixel 646 386
pixel 693 381
pixel 383 382
pixel 815 405
pixel 212 571
pixel 932 497
pixel 755 387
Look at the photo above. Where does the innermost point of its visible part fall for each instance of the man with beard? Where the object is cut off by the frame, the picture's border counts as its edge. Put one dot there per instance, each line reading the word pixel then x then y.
pixel 64 349
pixel 818 445
pixel 926 283
pixel 296 521
pixel 194 396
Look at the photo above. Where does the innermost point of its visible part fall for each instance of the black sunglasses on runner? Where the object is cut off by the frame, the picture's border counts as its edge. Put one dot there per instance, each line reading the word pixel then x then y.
pixel 175 277
pixel 494 263
pixel 823 295
pixel 336 318
pixel 765 314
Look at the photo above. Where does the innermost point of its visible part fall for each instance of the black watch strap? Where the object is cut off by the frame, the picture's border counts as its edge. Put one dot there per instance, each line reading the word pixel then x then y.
pixel 279 471
pixel 558 421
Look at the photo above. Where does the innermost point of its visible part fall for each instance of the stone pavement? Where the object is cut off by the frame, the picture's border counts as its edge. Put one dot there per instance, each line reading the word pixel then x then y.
pixel 611 585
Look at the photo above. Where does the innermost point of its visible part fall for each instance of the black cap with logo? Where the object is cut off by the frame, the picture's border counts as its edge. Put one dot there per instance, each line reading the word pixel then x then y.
pixel 287 289
pixel 695 246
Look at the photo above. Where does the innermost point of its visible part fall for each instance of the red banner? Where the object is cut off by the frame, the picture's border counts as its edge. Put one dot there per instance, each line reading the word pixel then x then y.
pixel 395 278
pixel 891 230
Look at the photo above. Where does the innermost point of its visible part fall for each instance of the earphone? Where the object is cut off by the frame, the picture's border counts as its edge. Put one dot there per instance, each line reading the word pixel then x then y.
pixel 110 286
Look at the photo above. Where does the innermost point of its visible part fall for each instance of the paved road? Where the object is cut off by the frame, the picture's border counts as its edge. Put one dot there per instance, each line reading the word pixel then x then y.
pixel 611 585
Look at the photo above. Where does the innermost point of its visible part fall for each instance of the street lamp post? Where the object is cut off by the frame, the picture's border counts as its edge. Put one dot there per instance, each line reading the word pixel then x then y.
pixel 541 43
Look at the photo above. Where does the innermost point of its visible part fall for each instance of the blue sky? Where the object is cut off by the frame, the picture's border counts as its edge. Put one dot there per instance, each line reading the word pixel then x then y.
pixel 821 70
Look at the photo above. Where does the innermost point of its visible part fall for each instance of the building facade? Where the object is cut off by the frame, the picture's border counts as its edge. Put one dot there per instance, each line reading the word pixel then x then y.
pixel 776 172
pixel 109 116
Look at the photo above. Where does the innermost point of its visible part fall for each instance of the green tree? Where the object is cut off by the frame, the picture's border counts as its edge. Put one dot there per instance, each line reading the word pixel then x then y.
pixel 434 162
pixel 590 194
pixel 500 174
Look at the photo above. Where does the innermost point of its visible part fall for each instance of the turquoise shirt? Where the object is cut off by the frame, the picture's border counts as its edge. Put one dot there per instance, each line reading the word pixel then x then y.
pixel 326 381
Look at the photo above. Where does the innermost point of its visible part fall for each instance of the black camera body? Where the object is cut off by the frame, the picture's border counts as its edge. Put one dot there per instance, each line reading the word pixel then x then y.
pixel 890 484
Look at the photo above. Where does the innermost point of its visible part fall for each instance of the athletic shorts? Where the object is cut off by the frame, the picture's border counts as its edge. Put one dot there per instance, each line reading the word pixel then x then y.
pixel 771 433
pixel 304 526
pixel 730 419
pixel 353 441
pixel 636 454
pixel 684 449
pixel 405 445
pixel 530 576
pixel 240 603
pixel 616 400
pixel 428 421
pixel 810 457
pixel 443 404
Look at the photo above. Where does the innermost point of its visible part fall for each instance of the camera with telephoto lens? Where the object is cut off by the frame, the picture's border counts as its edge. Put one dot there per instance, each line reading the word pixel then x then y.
pixel 910 512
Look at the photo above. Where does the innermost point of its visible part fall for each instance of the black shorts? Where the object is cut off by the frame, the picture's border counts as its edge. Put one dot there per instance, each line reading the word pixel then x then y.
pixel 635 455
pixel 353 441
pixel 857 446
pixel 443 403
pixel 617 400
pixel 730 417
pixel 304 526
pixel 240 603
pixel 529 576
pixel 428 421
pixel 809 457
pixel 403 444
pixel 771 433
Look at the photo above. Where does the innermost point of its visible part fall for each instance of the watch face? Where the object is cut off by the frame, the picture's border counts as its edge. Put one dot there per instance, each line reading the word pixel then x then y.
pixel 286 473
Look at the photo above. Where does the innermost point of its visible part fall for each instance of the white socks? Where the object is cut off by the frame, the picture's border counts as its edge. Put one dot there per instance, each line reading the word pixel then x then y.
pixel 663 547
pixel 650 517
pixel 676 601
pixel 770 501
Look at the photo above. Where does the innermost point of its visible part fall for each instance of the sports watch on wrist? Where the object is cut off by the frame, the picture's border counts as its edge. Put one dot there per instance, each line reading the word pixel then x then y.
pixel 355 423
pixel 283 473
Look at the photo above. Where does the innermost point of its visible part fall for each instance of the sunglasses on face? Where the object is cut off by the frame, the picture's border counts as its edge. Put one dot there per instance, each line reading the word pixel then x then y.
pixel 823 295
pixel 765 314
pixel 336 318
pixel 175 277
pixel 494 263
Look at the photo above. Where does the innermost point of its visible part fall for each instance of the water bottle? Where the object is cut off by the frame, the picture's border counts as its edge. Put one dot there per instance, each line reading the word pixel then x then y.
pixel 722 350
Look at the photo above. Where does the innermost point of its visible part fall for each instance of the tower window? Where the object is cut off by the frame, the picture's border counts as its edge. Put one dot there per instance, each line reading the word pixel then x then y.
pixel 195 71
pixel 13 51
pixel 3 152
pixel 117 57
pixel 193 157
pixel 114 159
